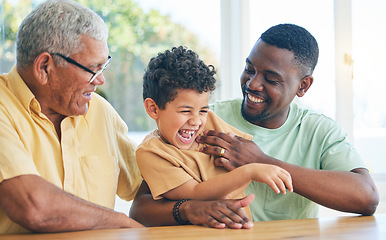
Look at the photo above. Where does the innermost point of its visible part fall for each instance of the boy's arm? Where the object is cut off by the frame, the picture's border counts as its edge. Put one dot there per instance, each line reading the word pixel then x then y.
pixel 221 186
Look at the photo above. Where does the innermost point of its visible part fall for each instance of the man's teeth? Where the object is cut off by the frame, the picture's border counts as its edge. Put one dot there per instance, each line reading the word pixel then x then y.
pixel 255 99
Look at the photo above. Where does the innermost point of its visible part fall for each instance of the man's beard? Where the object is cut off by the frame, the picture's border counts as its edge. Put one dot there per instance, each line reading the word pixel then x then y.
pixel 253 118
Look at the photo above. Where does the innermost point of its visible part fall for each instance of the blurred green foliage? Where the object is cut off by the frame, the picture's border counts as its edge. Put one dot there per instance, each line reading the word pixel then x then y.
pixel 134 37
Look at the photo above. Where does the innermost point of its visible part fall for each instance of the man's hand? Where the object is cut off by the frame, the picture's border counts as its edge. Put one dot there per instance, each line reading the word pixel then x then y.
pixel 218 214
pixel 238 151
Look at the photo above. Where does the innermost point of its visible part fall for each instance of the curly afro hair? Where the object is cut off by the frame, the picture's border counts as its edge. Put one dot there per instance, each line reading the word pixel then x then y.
pixel 173 70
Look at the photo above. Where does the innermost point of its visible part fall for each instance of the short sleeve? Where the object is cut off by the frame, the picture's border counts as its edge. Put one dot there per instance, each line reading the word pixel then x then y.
pixel 14 158
pixel 338 153
pixel 152 164
pixel 129 178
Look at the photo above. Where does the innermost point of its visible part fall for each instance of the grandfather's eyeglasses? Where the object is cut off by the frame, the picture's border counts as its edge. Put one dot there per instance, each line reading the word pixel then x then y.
pixel 94 74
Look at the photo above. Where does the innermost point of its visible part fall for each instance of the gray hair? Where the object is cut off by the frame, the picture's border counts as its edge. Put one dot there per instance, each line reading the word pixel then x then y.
pixel 57 26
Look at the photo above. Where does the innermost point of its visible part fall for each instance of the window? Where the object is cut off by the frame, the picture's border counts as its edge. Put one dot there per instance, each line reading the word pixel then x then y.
pixel 320 24
pixel 369 52
pixel 138 30
pixel 369 109
pixel 222 32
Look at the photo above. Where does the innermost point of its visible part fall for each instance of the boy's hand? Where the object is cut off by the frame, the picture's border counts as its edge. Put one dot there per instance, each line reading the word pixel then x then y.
pixel 275 177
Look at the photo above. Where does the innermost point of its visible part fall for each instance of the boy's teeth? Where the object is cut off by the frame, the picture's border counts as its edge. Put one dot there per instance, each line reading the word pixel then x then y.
pixel 186 133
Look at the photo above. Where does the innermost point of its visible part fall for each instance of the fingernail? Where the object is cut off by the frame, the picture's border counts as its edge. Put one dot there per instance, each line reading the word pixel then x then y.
pixel 248 225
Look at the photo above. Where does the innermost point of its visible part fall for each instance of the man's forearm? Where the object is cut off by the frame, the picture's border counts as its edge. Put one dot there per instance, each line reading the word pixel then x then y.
pixel 40 206
pixel 73 214
pixel 149 212
pixel 353 191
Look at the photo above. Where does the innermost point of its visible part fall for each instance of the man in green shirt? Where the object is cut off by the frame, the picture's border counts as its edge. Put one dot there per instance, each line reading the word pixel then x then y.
pixel 324 167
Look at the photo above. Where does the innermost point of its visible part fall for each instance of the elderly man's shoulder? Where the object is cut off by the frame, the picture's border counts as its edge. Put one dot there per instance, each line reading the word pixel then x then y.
pixel 97 99
pixel 100 105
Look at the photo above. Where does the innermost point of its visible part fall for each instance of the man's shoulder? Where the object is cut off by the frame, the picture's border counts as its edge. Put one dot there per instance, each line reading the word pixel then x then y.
pixel 312 120
pixel 225 104
pixel 226 108
pixel 310 115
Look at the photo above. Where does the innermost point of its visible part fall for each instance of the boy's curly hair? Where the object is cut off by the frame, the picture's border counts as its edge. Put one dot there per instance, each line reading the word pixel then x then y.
pixel 175 69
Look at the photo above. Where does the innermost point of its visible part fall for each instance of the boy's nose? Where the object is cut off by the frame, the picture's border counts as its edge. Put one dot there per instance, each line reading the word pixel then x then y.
pixel 195 121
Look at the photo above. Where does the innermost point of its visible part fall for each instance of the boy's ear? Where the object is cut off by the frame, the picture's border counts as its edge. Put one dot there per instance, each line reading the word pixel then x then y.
pixel 151 108
pixel 305 84
pixel 42 67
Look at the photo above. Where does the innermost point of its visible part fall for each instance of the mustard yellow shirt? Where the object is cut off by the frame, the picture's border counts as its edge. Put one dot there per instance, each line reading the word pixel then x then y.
pixel 95 160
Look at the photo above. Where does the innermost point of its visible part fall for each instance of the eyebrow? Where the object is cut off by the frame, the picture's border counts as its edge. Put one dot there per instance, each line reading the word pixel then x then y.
pixel 267 71
pixel 187 106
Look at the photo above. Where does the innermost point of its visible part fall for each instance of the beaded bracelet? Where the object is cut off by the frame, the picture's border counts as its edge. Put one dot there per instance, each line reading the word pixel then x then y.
pixel 176 212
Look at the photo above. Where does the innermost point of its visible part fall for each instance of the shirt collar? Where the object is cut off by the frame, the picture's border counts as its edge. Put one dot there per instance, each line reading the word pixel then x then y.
pixel 22 92
pixel 27 98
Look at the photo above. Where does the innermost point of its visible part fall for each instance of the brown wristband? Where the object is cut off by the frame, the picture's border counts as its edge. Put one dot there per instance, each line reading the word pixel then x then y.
pixel 176 212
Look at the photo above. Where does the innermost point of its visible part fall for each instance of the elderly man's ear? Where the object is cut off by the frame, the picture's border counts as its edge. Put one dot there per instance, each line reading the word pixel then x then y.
pixel 42 67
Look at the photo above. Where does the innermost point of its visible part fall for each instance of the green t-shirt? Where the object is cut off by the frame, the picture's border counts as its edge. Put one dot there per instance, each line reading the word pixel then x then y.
pixel 306 139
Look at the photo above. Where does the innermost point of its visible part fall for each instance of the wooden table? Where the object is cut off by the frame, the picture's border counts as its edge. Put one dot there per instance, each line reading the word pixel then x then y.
pixel 373 227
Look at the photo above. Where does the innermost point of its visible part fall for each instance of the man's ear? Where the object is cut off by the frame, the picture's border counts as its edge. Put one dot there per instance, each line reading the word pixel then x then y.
pixel 151 108
pixel 42 66
pixel 305 84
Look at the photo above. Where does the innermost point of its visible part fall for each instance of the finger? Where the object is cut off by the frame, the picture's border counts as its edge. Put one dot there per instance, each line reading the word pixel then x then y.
pixel 286 179
pixel 226 219
pixel 214 136
pixel 231 214
pixel 272 184
pixel 236 206
pixel 239 215
pixel 213 223
pixel 288 182
pixel 229 217
pixel 214 149
pixel 225 163
pixel 281 185
pixel 219 162
pixel 240 138
pixel 221 151
pixel 231 134
pixel 245 201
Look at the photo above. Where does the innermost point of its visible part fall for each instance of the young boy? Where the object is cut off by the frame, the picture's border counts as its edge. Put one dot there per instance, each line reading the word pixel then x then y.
pixel 176 90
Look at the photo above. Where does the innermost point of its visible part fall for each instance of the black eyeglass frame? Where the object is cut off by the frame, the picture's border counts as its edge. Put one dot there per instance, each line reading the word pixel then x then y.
pixel 94 74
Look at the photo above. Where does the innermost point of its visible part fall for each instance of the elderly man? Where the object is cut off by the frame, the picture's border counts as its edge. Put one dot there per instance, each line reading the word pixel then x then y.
pixel 64 152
